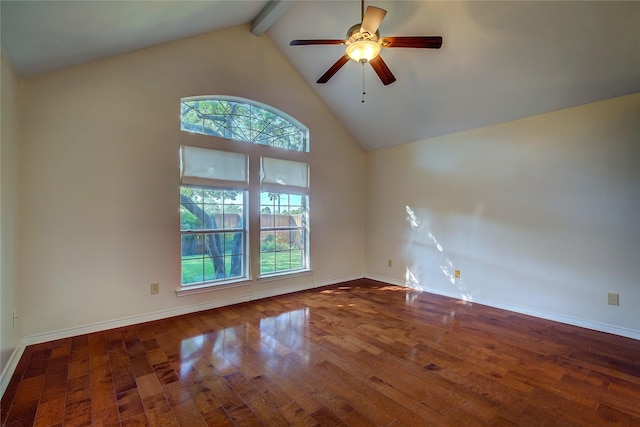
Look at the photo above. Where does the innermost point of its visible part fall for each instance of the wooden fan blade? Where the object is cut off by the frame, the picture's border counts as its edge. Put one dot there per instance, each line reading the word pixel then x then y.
pixel 424 42
pixel 317 41
pixel 334 69
pixel 381 69
pixel 372 19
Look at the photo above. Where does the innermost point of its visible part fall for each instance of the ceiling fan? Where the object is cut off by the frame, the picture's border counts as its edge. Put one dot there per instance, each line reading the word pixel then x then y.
pixel 364 44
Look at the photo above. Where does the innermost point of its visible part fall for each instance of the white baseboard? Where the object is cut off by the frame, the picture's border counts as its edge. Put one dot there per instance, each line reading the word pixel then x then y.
pixel 583 323
pixel 386 280
pixel 10 367
pixel 130 320
pixel 322 283
pixel 163 314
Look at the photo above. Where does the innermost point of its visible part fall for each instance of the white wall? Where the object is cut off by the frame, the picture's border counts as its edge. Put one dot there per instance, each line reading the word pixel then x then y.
pixel 541 215
pixel 10 335
pixel 100 199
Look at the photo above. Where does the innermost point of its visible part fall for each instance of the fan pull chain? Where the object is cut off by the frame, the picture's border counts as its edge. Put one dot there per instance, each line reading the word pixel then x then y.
pixel 363 91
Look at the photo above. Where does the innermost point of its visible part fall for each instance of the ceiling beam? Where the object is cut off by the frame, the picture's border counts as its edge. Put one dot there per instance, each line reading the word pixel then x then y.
pixel 269 15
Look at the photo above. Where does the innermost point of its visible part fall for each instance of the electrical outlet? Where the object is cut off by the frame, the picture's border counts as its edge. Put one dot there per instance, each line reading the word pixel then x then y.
pixel 613 299
pixel 389 263
pixel 457 274
pixel 155 288
pixel 15 317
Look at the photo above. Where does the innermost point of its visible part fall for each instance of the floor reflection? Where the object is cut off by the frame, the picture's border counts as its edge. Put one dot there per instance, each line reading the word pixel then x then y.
pixel 263 343
pixel 286 332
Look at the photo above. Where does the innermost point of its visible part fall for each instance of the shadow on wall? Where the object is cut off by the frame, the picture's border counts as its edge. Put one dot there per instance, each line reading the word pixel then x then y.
pixel 419 229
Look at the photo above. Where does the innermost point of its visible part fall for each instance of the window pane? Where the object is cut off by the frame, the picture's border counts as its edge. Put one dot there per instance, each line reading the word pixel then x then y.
pixel 192 270
pixel 282 236
pixel 267 263
pixel 267 241
pixel 188 221
pixel 281 210
pixel 210 272
pixel 234 249
pixel 235 267
pixel 222 257
pixel 212 216
pixel 212 196
pixel 267 219
pixel 233 210
pixel 192 244
pixel 297 257
pixel 283 261
pixel 284 240
pixel 233 243
pixel 232 220
pixel 243 120
pixel 213 255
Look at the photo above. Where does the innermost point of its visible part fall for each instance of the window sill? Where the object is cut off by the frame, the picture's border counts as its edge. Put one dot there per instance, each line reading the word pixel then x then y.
pixel 284 275
pixel 209 287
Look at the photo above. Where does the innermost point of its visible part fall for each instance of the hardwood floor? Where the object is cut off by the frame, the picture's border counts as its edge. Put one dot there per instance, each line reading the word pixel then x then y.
pixel 358 354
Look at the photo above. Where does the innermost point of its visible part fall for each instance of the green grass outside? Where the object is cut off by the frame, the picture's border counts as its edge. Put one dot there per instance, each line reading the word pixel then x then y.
pixel 270 262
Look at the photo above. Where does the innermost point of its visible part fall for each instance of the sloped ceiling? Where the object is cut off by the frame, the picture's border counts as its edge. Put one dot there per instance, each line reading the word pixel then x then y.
pixel 499 61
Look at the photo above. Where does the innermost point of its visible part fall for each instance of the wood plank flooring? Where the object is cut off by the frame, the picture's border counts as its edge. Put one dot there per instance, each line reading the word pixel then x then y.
pixel 362 353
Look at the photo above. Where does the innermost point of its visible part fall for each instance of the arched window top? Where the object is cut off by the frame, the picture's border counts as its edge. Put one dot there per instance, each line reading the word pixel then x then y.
pixel 243 120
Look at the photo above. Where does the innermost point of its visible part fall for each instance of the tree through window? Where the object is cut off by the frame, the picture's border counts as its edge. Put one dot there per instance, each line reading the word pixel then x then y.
pixel 215 192
pixel 242 120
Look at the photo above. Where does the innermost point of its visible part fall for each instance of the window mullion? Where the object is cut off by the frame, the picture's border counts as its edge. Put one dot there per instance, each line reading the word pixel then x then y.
pixel 254 214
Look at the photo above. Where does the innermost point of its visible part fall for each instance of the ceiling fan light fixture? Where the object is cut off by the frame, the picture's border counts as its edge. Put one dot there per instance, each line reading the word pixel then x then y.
pixel 363 50
pixel 362 46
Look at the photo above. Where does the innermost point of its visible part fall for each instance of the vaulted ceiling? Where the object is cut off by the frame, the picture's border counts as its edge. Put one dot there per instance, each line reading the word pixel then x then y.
pixel 499 60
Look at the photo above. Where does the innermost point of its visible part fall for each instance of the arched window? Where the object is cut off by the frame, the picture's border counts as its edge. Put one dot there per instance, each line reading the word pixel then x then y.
pixel 243 120
pixel 216 192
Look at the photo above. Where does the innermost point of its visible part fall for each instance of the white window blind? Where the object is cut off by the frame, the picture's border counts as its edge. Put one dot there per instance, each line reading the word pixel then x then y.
pixel 277 173
pixel 203 166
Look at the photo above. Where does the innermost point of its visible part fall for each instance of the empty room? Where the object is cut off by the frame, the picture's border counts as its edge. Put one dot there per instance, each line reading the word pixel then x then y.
pixel 322 213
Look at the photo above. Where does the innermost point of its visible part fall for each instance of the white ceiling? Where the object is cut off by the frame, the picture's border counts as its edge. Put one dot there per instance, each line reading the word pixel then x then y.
pixel 499 60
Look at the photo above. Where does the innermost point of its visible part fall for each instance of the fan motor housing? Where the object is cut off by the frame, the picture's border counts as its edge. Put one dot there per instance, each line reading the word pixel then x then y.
pixel 354 34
